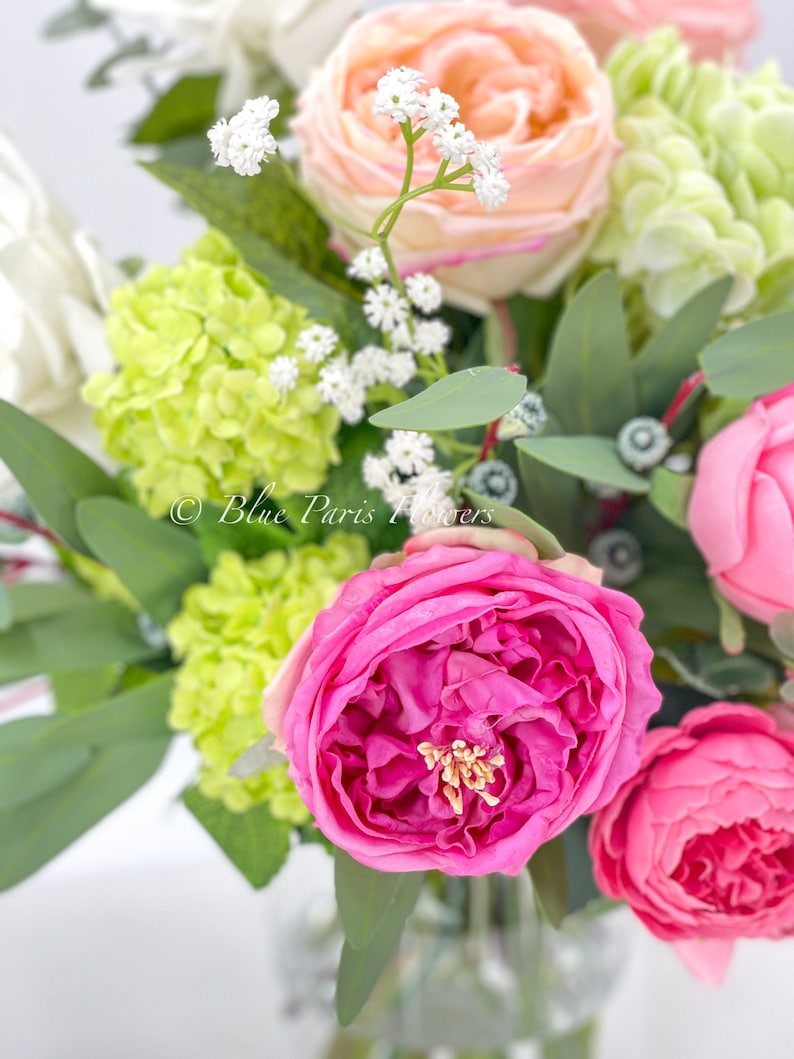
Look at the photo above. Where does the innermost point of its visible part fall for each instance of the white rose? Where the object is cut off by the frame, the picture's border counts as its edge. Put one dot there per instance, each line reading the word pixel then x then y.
pixel 54 287
pixel 235 36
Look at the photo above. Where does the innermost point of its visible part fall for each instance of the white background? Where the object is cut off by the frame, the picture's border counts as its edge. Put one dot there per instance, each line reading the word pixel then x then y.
pixel 141 942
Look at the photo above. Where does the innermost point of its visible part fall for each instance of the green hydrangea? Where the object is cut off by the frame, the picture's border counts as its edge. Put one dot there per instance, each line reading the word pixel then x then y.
pixel 233 633
pixel 705 185
pixel 191 407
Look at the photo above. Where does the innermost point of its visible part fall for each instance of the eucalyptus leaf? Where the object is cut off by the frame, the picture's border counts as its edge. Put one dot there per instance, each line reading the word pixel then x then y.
pixel 732 635
pixel 155 561
pixel 751 360
pixel 589 457
pixel 75 20
pixel 131 49
pixel 360 968
pixel 188 107
pixel 707 668
pixel 675 600
pixel 29 772
pixel 33 833
pixel 589 383
pixel 467 398
pixel 6 609
pixel 781 633
pixel 553 500
pixel 509 518
pixel 671 354
pixel 366 897
pixel 31 600
pixel 54 474
pixel 78 689
pixel 670 493
pixel 547 869
pixel 254 841
pixel 257 758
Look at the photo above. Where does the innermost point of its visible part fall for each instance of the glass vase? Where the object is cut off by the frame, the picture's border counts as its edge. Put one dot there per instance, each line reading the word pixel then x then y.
pixel 477 975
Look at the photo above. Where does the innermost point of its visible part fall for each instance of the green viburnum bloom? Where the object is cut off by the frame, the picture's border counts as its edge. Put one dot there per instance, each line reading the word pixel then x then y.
pixel 705 185
pixel 192 407
pixel 233 634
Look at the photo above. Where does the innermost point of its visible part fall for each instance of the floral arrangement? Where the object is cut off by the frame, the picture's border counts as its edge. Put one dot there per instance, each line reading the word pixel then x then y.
pixel 452 488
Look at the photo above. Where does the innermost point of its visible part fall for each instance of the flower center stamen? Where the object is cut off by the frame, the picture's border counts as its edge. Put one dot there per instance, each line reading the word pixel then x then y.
pixel 463 766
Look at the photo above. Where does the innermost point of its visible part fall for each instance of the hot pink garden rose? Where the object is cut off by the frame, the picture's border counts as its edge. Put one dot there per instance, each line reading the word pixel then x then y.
pixel 526 81
pixel 458 708
pixel 700 842
pixel 741 513
pixel 712 28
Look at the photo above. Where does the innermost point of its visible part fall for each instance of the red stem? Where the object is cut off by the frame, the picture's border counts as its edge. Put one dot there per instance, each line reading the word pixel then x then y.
pixel 490 438
pixel 684 390
pixel 25 524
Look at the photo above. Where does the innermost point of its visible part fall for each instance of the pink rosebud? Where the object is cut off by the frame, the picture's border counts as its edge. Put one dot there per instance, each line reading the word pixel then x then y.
pixel 741 513
pixel 700 842
pixel 526 81
pixel 461 706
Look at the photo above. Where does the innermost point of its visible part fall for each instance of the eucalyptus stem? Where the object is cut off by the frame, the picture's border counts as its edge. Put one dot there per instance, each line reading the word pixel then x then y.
pixel 579 1044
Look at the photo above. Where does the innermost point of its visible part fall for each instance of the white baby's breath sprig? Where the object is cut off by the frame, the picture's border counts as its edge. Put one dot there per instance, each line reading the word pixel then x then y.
pixel 283 373
pixel 438 109
pixel 424 292
pixel 455 143
pixel 245 141
pixel 410 451
pixel 369 265
pixel 317 342
pixel 398 96
pixel 385 307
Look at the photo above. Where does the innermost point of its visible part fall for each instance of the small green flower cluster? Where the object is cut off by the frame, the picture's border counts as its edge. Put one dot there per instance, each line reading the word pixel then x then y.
pixel 233 634
pixel 192 407
pixel 705 186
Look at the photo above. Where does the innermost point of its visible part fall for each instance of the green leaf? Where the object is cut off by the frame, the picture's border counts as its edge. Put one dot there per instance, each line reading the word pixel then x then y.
pixel 360 968
pixel 751 360
pixel 133 715
pixel 78 689
pixel 707 668
pixel 188 107
pixel 581 887
pixel 255 842
pixel 509 518
pixel 661 597
pixel 75 20
pixel 554 500
pixel 548 872
pixel 366 898
pixel 670 494
pixel 6 609
pixel 671 354
pixel 589 383
pixel 781 633
pixel 42 599
pixel 34 833
pixel 99 78
pixel 89 636
pixel 279 235
pixel 589 457
pixel 467 398
pixel 53 473
pixel 155 561
pixel 732 635
pixel 29 772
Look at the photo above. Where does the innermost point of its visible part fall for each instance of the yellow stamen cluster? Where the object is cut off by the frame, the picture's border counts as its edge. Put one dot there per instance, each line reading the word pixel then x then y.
pixel 465 766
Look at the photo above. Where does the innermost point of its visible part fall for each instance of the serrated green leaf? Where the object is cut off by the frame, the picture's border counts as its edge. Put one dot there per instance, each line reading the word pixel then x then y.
pixel 75 20
pixel 548 872
pixel 670 494
pixel 133 715
pixel 366 898
pixel 31 771
pixel 34 833
pixel 93 635
pixel 732 634
pixel 671 354
pixel 254 841
pixel 131 49
pixel 53 473
pixel 589 383
pixel 187 108
pixel 781 633
pixel 467 398
pixel 588 457
pixel 32 600
pixel 155 561
pixel 360 968
pixel 752 360
pixel 509 518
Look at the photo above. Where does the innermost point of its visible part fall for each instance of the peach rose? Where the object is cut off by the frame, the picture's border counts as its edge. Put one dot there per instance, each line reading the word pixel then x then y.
pixel 526 81
pixel 710 27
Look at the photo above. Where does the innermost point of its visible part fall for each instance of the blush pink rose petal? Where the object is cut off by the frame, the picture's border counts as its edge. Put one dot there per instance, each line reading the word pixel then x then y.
pixel 526 81
pixel 700 842
pixel 712 28
pixel 741 512
pixel 459 708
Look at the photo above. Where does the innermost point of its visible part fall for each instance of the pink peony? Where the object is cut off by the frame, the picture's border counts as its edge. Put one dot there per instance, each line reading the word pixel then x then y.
pixel 458 708
pixel 700 842
pixel 741 513
pixel 712 28
pixel 526 81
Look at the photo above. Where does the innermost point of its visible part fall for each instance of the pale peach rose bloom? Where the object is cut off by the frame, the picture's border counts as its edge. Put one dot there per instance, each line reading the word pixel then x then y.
pixel 526 81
